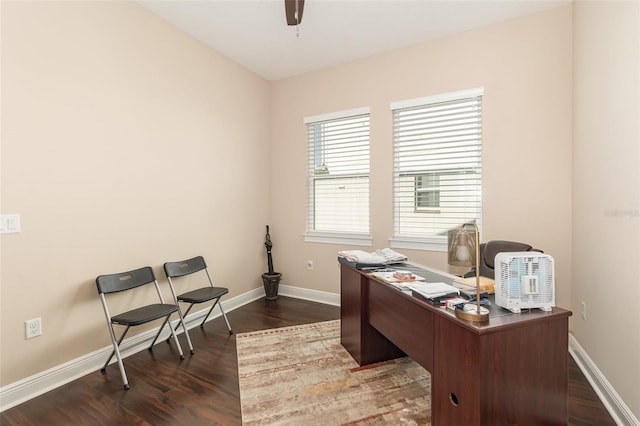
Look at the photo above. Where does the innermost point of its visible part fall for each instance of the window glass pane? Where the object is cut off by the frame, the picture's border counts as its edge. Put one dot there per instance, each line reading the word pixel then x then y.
pixel 427 189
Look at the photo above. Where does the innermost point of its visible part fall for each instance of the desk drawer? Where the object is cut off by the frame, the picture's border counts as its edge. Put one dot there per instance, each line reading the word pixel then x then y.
pixel 407 324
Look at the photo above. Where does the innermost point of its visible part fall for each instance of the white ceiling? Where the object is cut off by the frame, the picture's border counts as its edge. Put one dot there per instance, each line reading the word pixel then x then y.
pixel 254 33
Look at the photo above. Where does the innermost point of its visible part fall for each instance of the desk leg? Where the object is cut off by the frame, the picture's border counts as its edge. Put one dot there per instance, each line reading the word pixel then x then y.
pixel 365 344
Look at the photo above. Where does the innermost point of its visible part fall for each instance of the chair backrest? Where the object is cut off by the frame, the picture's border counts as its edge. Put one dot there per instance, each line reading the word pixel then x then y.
pixel 112 283
pixel 184 267
pixel 489 250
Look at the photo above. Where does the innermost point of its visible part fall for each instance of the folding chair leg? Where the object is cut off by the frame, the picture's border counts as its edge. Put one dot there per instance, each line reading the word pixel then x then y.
pixel 122 372
pixel 158 333
pixel 116 350
pixel 217 302
pixel 183 316
pixel 225 319
pixel 188 310
pixel 186 332
pixel 173 333
pixel 117 345
pixel 175 337
pixel 208 313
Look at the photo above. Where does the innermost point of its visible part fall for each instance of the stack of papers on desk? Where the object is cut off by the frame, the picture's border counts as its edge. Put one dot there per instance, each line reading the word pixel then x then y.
pixel 433 290
pixel 486 284
pixel 383 256
pixel 391 276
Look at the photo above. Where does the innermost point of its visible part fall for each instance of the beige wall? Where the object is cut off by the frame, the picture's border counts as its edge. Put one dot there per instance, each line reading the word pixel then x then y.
pixel 124 144
pixel 100 99
pixel 606 190
pixel 524 66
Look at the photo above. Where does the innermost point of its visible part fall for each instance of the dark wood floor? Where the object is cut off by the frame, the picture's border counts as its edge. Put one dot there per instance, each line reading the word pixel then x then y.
pixel 203 388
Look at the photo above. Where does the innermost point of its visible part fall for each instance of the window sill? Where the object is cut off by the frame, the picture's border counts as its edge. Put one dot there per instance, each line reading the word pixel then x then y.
pixel 414 243
pixel 338 238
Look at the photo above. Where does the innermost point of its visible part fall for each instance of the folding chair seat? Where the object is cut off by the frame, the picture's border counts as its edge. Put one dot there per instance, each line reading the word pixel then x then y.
pixel 123 281
pixel 210 292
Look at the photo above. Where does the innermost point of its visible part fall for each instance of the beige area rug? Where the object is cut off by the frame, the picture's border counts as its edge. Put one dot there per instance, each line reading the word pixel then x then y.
pixel 302 375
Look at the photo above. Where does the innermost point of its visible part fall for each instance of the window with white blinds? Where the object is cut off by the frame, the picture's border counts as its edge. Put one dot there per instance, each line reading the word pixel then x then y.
pixel 437 167
pixel 338 164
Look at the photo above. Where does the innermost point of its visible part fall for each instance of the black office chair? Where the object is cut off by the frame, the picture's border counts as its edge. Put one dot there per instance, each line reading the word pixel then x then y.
pixel 200 295
pixel 488 252
pixel 113 283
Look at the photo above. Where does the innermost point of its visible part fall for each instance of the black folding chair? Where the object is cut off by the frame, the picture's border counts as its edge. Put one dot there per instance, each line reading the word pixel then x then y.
pixel 113 283
pixel 200 295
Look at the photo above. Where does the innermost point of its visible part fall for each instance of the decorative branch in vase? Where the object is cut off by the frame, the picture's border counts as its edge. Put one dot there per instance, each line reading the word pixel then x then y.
pixel 270 279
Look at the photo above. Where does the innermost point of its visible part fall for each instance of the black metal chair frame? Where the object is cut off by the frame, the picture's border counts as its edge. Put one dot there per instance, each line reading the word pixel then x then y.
pixel 200 295
pixel 123 281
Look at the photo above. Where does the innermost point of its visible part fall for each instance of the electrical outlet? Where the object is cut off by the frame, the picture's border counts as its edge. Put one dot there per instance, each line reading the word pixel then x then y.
pixel 33 328
pixel 584 310
pixel 309 265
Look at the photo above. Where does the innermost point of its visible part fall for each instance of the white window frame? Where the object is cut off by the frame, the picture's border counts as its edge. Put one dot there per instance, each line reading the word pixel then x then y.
pixel 333 236
pixel 435 241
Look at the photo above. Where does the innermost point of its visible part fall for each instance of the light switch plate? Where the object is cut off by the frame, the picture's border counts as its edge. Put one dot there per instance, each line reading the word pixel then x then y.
pixel 9 223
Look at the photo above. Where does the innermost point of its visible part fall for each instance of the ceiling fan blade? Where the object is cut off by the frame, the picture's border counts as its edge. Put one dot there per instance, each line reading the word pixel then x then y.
pixel 293 10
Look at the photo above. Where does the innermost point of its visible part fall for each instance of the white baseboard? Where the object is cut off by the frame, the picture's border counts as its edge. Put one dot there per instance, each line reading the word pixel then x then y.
pixel 312 295
pixel 620 412
pixel 30 387
pixel 33 386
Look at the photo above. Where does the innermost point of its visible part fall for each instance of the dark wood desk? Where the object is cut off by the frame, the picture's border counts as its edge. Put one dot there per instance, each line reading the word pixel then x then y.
pixel 511 370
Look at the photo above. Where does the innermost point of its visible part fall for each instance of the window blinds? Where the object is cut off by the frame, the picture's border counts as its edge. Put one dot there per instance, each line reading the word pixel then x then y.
pixel 437 164
pixel 338 165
